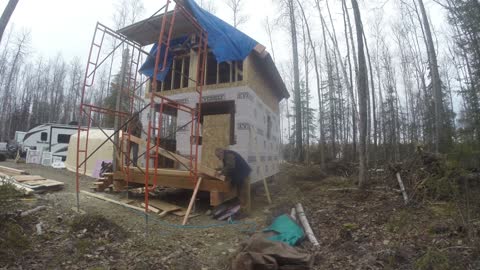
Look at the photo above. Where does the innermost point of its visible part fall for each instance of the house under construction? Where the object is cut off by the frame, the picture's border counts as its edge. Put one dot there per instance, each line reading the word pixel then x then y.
pixel 208 85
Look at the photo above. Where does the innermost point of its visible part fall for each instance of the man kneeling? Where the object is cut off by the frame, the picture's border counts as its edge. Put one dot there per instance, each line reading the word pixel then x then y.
pixel 237 170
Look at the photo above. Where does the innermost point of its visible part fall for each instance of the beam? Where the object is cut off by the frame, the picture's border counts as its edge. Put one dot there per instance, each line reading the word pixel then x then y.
pixel 175 181
pixel 261 50
pixel 111 201
pixel 176 157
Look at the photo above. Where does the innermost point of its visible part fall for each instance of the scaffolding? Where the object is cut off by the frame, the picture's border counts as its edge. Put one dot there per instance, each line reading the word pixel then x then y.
pixel 122 133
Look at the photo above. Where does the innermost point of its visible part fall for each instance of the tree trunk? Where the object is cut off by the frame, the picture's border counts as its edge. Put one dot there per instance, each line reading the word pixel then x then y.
pixel 435 76
pixel 306 115
pixel 296 81
pixel 7 13
pixel 362 88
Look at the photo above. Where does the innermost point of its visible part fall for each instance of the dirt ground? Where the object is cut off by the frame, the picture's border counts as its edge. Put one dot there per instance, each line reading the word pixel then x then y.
pixel 356 229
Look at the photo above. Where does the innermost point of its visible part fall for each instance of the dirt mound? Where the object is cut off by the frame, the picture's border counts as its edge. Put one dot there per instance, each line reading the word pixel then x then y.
pixel 95 226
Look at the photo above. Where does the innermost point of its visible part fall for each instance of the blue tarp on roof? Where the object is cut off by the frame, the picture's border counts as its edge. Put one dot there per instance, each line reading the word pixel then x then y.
pixel 149 64
pixel 226 42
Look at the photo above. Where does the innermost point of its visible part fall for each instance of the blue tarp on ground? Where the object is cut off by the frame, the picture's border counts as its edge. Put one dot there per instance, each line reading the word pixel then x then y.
pixel 288 231
pixel 226 42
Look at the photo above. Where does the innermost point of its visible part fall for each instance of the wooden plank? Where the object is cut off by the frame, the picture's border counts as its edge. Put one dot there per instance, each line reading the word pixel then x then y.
pixel 176 157
pixel 46 183
pixel 164 205
pixel 111 200
pixel 23 178
pixel 177 182
pixel 192 200
pixel 163 172
pixel 180 213
pixel 151 208
pixel 183 212
pixel 11 171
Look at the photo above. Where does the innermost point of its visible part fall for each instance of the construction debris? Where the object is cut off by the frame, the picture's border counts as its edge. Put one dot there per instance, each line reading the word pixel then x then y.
pixel 31 211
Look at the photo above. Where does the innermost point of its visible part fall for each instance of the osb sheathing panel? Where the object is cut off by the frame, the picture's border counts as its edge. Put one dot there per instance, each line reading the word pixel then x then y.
pixel 258 81
pixel 215 134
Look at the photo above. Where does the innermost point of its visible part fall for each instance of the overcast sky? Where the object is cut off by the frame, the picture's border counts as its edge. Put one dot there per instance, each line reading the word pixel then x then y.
pixel 67 26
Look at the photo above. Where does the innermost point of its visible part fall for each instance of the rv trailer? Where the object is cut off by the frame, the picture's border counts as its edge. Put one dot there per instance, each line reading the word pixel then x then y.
pixel 53 138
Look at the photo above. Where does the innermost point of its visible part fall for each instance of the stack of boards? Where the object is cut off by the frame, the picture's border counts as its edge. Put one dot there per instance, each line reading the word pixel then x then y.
pixel 30 183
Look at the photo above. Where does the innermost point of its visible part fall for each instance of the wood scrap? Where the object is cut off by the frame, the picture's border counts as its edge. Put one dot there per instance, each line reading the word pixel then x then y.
pixel 23 178
pixel 192 200
pixel 151 208
pixel 402 187
pixel 111 200
pixel 31 211
pixel 164 206
pixel 39 228
pixel 306 225
pixel 182 212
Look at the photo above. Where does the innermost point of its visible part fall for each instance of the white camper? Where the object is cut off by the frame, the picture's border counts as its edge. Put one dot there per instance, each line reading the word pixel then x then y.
pixel 53 138
pixel 19 135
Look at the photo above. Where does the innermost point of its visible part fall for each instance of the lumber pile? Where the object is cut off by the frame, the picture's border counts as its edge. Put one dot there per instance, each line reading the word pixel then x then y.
pixel 26 183
pixel 38 183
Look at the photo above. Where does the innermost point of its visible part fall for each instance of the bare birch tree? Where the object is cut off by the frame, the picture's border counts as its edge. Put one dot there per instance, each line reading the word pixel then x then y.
pixel 362 88
pixel 7 13
pixel 236 7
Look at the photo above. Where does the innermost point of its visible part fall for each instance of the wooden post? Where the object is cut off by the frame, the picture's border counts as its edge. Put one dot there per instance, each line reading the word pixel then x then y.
pixel 246 194
pixel 402 187
pixel 192 201
pixel 306 225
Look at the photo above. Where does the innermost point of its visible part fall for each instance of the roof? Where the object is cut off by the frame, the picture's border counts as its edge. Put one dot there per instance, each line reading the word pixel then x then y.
pixel 225 42
pixel 146 32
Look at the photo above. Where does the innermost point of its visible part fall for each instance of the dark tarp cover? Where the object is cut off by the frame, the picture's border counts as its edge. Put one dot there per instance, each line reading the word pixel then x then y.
pixel 226 42
pixel 149 64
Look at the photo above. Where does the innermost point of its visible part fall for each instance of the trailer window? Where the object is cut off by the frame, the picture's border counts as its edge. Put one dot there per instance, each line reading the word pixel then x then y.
pixel 43 136
pixel 63 138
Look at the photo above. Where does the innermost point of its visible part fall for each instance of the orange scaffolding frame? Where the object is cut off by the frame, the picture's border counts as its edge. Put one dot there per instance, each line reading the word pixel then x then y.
pixel 156 98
